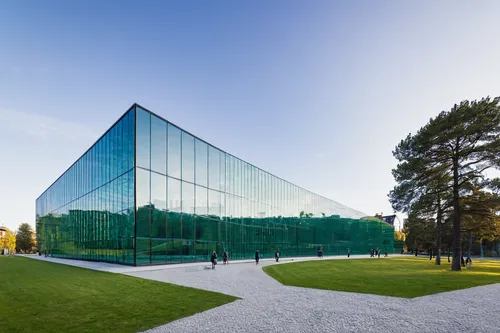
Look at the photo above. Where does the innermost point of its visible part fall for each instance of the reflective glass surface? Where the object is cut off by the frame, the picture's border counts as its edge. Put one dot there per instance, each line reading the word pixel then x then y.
pixel 184 199
pixel 88 213
pixel 209 200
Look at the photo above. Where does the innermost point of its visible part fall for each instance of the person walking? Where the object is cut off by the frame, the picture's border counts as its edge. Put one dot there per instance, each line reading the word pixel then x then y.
pixel 213 259
pixel 277 256
pixel 348 252
pixel 378 252
pixel 257 257
pixel 468 262
pixel 224 258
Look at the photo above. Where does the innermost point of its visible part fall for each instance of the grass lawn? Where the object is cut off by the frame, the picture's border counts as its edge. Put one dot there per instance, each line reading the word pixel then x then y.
pixel 401 277
pixel 38 296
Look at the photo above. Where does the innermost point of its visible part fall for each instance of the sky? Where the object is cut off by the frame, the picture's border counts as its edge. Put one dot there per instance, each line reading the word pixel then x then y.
pixel 316 92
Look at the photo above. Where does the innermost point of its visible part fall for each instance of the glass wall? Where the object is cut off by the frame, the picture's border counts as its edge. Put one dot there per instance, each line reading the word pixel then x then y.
pixel 88 213
pixel 193 198
pixel 148 192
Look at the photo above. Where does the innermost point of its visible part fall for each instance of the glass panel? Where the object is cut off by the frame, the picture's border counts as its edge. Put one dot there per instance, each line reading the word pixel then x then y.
pixel 174 151
pixel 187 157
pixel 143 138
pixel 201 163
pixel 223 171
pixel 158 145
pixel 201 207
pixel 174 209
pixel 158 218
pixel 214 172
pixel 143 217
pixel 187 198
pixel 206 233
pixel 214 199
pixel 187 210
pixel 158 191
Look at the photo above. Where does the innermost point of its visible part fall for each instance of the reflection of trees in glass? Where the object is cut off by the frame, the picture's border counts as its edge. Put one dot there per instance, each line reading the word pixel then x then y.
pixel 167 236
pixel 293 236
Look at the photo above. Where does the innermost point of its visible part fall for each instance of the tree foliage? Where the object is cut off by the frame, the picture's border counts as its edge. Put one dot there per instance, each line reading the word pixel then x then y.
pixel 24 238
pixel 438 164
pixel 399 236
pixel 419 232
pixel 480 213
pixel 306 215
pixel 480 216
pixel 8 241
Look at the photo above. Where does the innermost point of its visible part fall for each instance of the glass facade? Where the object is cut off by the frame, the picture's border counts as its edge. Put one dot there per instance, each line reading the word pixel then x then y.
pixel 88 213
pixel 183 198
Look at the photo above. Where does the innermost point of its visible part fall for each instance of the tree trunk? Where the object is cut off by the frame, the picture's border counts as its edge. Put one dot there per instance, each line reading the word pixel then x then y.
pixel 457 251
pixel 469 234
pixel 481 250
pixel 438 255
pixel 439 218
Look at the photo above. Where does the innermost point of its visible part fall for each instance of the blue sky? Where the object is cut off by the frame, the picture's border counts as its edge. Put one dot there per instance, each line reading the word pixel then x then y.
pixel 316 92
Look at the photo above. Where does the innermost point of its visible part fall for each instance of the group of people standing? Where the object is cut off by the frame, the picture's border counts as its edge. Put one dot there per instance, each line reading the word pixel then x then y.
pixel 376 253
pixel 213 257
pixel 320 252
pixel 257 256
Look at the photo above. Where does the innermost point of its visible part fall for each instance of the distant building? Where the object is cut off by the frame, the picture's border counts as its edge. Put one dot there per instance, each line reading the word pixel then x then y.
pixel 3 233
pixel 389 219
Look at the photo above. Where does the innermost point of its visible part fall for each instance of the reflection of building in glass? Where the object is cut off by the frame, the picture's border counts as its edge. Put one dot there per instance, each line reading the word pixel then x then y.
pixel 148 192
pixel 3 231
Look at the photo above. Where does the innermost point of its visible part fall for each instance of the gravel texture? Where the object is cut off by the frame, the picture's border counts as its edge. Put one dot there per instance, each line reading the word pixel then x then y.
pixel 268 306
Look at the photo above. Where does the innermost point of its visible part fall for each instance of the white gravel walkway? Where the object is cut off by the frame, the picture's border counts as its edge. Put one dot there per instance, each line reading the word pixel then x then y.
pixel 268 306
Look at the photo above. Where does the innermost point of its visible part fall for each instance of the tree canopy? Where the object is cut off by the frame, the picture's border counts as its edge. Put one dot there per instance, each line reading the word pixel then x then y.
pixel 438 165
pixel 8 241
pixel 24 238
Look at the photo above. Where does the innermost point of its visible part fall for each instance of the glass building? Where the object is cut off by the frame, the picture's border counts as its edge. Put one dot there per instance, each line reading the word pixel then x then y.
pixel 148 192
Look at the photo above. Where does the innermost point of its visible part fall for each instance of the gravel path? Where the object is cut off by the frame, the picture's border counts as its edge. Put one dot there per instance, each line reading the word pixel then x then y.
pixel 268 306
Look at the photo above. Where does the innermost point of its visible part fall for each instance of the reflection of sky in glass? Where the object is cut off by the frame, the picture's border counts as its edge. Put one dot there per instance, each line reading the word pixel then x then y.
pixel 158 145
pixel 187 157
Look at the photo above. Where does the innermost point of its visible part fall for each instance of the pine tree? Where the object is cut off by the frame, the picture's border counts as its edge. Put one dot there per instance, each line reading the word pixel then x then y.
pixel 453 150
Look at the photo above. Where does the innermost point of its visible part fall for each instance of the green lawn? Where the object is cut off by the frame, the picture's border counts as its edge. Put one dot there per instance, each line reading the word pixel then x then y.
pixel 38 296
pixel 401 277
